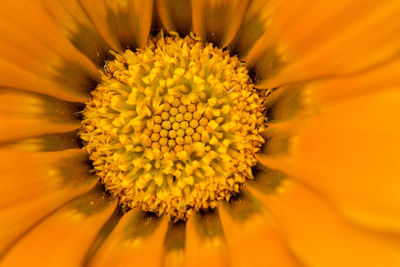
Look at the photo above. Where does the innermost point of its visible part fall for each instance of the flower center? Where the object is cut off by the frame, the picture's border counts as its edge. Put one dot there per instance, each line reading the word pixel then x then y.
pixel 174 127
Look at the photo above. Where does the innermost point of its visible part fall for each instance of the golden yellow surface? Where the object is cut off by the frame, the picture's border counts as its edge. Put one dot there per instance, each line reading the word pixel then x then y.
pixel 174 127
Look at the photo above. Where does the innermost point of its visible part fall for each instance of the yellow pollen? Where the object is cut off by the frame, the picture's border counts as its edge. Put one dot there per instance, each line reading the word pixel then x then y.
pixel 174 127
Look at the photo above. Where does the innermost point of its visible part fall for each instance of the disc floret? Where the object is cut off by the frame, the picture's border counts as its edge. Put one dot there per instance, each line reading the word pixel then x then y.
pixel 173 127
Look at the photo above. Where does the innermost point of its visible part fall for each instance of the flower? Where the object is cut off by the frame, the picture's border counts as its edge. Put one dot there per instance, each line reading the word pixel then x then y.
pixel 325 183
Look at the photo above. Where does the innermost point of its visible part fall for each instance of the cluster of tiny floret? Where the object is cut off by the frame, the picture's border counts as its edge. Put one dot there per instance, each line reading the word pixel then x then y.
pixel 173 127
pixel 177 128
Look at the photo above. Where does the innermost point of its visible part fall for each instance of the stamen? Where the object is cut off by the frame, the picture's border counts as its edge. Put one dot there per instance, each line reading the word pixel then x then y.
pixel 174 127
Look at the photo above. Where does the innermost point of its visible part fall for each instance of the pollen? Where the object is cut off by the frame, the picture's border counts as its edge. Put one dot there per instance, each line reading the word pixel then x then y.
pixel 173 128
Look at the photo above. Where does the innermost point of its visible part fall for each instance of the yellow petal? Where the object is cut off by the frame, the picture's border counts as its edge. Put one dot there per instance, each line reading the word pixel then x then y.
pixel 63 238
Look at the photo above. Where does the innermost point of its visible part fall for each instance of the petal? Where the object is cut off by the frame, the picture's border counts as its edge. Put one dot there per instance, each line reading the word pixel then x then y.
pixel 33 184
pixel 349 152
pixel 205 240
pixel 278 140
pixel 73 22
pixel 24 114
pixel 301 100
pixel 218 21
pixel 174 245
pixel 30 175
pixel 104 232
pixel 377 79
pixel 67 233
pixel 309 40
pixel 123 24
pixel 136 240
pixel 18 78
pixel 254 25
pixel 266 180
pixel 252 236
pixel 176 15
pixel 286 103
pixel 45 142
pixel 320 238
pixel 43 52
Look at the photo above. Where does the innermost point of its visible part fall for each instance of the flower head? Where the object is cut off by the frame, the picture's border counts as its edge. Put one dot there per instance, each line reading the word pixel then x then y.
pixel 202 132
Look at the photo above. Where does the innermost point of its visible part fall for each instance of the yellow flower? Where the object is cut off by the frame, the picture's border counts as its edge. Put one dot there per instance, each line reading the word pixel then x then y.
pixel 326 176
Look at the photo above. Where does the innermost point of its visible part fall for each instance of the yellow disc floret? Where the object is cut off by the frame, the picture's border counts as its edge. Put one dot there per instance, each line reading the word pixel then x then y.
pixel 173 127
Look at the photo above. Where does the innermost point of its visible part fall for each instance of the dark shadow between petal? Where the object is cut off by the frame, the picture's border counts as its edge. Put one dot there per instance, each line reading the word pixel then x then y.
pixel 176 15
pixel 156 24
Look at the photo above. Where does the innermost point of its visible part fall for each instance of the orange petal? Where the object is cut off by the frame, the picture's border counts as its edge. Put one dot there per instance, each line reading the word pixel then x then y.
pixel 121 23
pixel 266 180
pixel 253 26
pixel 30 175
pixel 349 152
pixel 104 232
pixel 301 100
pixel 41 51
pixel 18 219
pixel 17 77
pixel 377 79
pixel 45 142
pixel 218 21
pixel 205 241
pixel 74 23
pixel 308 40
pixel 174 245
pixel 286 103
pixel 24 114
pixel 136 240
pixel 320 238
pixel 63 238
pixel 175 15
pixel 252 237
